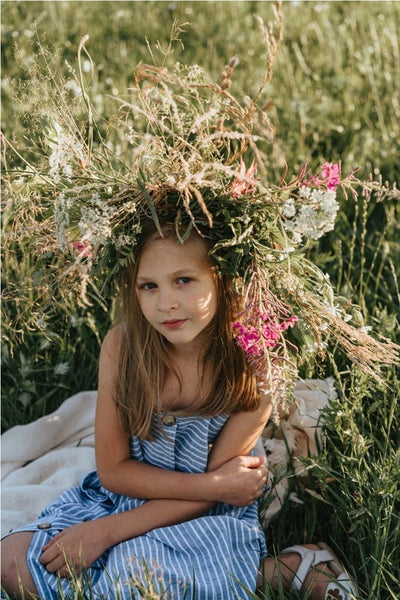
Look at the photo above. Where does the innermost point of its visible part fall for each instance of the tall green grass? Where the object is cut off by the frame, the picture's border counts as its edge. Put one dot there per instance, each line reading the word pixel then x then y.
pixel 334 95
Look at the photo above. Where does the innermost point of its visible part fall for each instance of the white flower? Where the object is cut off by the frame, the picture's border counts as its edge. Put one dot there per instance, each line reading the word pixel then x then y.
pixel 61 215
pixel 96 220
pixel 335 310
pixel 304 191
pixel 288 250
pixel 315 347
pixel 61 368
pixel 72 86
pixel 289 209
pixel 195 74
pixel 296 238
pixel 24 398
pixel 123 240
pixel 365 329
pixel 41 322
pixel 314 216
pixel 65 148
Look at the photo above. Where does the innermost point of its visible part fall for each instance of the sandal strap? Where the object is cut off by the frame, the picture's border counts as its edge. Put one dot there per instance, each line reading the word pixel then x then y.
pixel 343 588
pixel 309 559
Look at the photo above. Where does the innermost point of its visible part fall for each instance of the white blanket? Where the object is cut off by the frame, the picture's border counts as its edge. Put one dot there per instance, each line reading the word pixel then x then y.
pixel 42 459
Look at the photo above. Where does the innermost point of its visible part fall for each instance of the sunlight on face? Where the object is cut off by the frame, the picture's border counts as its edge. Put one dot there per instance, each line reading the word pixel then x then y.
pixel 176 289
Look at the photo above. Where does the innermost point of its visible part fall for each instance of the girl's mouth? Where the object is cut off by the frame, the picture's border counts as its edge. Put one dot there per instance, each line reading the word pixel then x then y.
pixel 173 323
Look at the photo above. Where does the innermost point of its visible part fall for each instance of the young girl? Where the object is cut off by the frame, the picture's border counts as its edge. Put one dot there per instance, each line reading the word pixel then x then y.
pixel 174 500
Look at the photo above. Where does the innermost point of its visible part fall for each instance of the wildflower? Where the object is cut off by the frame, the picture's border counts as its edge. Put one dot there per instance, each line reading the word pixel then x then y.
pixel 25 399
pixel 248 339
pixel 316 347
pixel 96 221
pixel 195 74
pixel 41 322
pixel 82 248
pixel 290 322
pixel 331 175
pixel 315 214
pixel 289 209
pixel 61 368
pixel 265 334
pixel 244 182
pixel 65 148
pixel 365 329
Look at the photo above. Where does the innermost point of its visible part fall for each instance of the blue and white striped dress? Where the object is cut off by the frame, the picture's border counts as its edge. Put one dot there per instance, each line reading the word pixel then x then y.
pixel 213 557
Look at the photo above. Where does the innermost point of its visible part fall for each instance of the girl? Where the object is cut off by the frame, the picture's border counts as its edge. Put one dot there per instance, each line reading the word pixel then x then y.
pixel 174 501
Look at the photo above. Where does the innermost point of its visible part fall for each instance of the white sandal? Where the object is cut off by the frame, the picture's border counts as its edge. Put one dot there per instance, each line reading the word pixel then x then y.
pixel 342 586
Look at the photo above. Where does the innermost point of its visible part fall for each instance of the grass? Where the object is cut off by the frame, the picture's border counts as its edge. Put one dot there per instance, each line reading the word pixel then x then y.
pixel 334 95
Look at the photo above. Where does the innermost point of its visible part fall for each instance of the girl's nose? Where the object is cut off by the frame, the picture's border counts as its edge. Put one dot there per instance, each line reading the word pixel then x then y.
pixel 167 301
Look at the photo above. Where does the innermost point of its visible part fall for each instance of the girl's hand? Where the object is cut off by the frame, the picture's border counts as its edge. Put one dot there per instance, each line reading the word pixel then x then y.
pixel 78 546
pixel 241 480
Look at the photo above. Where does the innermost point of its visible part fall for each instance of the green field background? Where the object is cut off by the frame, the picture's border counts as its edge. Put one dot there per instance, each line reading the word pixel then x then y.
pixel 334 95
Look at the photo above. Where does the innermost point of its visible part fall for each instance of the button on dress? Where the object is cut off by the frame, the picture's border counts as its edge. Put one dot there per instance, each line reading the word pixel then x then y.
pixel 213 557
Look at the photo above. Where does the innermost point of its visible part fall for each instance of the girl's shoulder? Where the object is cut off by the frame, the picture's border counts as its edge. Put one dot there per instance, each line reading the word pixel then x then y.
pixel 112 342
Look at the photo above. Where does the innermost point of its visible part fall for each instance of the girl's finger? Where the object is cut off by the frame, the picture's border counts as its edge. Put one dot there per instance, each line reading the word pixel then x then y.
pixel 48 555
pixel 53 540
pixel 252 462
pixel 51 553
pixel 56 565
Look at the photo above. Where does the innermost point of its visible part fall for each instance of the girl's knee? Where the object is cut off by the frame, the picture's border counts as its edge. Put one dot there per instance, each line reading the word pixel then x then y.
pixel 15 575
pixel 9 572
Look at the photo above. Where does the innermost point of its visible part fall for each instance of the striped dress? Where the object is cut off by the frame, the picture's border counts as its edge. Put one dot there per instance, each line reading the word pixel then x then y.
pixel 214 557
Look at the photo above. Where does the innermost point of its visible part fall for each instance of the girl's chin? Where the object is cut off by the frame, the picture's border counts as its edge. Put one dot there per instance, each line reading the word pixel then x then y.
pixel 183 340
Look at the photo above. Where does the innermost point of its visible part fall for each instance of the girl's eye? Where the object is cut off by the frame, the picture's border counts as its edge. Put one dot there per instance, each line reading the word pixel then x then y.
pixel 184 280
pixel 148 286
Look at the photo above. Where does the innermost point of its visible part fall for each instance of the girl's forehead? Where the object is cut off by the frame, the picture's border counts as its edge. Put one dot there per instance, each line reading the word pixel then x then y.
pixel 193 249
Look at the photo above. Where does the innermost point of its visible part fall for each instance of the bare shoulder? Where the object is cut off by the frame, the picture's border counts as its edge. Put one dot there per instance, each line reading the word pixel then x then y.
pixel 112 341
pixel 109 355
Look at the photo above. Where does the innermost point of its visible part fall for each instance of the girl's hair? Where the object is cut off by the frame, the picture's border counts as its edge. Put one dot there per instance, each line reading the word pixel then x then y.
pixel 145 355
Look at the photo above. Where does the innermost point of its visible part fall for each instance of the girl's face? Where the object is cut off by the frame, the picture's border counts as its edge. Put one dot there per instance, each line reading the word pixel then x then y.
pixel 176 290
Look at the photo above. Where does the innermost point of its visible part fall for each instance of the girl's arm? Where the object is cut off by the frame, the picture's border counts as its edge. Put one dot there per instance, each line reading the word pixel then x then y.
pixel 82 544
pixel 235 483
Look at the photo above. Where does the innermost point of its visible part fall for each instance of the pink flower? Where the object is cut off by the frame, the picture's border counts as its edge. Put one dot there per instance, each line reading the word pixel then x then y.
pixel 244 182
pixel 82 248
pixel 270 334
pixel 290 322
pixel 265 333
pixel 331 174
pixel 248 339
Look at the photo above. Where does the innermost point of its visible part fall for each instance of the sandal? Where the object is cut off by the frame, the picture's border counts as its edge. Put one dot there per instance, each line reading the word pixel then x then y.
pixel 342 586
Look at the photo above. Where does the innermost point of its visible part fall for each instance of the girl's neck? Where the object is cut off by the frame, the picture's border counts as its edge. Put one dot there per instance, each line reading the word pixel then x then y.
pixel 188 353
pixel 185 386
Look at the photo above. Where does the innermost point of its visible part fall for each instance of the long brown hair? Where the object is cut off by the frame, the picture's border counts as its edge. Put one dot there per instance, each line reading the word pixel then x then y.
pixel 145 355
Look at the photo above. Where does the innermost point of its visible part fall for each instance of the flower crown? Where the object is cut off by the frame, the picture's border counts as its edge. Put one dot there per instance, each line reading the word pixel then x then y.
pixel 177 150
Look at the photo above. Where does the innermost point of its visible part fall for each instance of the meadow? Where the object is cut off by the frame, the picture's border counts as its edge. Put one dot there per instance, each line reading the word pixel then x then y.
pixel 334 95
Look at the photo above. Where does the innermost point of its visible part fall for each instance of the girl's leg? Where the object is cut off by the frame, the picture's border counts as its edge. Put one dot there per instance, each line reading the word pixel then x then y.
pixel 15 575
